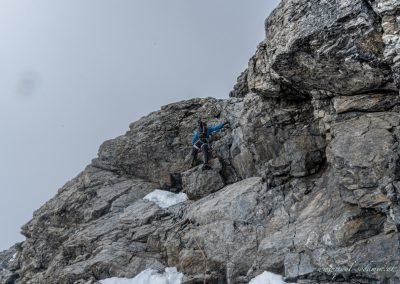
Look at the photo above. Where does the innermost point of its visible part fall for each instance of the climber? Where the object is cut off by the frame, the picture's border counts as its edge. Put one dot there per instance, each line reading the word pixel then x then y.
pixel 201 141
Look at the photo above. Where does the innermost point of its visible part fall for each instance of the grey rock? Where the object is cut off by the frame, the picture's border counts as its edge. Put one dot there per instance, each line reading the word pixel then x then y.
pixel 155 147
pixel 198 183
pixel 388 11
pixel 234 202
pixel 9 263
pixel 241 88
pixel 370 102
pixel 319 46
pixel 304 183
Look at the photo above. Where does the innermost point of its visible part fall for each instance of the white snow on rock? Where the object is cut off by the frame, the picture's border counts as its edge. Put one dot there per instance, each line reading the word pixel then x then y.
pixel 149 276
pixel 165 199
pixel 13 257
pixel 268 278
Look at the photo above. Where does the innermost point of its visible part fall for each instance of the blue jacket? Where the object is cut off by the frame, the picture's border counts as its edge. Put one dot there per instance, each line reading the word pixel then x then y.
pixel 209 131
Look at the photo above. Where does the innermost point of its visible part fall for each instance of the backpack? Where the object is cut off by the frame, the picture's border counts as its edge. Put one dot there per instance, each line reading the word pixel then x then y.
pixel 202 131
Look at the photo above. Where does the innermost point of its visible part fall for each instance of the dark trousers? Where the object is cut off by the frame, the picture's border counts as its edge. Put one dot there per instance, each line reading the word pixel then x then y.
pixel 203 147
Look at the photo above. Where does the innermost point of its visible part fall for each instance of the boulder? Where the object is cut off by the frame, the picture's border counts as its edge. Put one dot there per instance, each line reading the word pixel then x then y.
pixel 198 183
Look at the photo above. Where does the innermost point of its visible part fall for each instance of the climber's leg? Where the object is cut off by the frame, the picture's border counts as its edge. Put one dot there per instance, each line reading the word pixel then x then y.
pixel 194 156
pixel 204 149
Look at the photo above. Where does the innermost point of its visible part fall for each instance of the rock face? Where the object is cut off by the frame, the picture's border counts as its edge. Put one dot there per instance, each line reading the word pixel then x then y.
pixel 304 183
pixel 328 47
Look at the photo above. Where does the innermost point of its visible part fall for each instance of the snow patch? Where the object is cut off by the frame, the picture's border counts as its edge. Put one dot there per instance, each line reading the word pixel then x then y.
pixel 13 257
pixel 149 276
pixel 268 278
pixel 166 199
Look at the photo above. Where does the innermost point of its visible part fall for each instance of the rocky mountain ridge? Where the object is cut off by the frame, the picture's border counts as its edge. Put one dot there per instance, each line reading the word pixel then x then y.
pixel 305 183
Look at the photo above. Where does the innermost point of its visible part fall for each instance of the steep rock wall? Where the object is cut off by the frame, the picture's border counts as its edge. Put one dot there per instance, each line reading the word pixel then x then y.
pixel 307 177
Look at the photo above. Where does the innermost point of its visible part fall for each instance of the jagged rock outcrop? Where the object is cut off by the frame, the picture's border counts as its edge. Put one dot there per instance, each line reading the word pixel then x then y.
pixel 327 47
pixel 304 183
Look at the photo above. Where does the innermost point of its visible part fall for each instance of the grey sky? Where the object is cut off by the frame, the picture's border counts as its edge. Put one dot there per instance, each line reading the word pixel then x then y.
pixel 74 73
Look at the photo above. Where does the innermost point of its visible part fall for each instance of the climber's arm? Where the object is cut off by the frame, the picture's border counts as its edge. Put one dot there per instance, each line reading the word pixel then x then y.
pixel 216 128
pixel 195 137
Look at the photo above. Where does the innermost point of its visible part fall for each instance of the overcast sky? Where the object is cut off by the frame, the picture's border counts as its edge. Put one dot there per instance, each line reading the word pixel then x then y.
pixel 74 73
